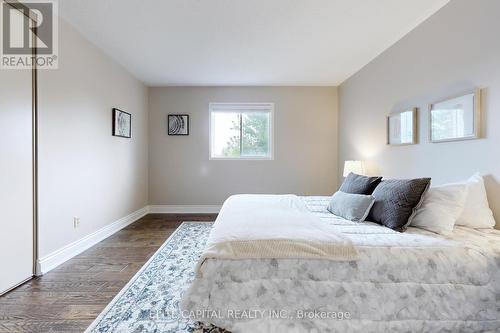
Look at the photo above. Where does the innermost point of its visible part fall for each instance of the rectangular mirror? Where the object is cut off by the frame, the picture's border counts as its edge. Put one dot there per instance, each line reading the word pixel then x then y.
pixel 456 118
pixel 402 128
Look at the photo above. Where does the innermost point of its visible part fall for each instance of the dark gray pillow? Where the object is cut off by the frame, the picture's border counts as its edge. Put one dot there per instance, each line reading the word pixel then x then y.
pixel 352 207
pixel 396 201
pixel 358 184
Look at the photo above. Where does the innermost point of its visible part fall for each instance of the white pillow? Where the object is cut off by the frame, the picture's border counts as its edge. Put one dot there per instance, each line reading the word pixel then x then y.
pixel 477 213
pixel 440 209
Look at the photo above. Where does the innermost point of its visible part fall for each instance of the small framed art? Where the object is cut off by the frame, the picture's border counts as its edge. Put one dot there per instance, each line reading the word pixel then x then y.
pixel 178 124
pixel 402 128
pixel 122 123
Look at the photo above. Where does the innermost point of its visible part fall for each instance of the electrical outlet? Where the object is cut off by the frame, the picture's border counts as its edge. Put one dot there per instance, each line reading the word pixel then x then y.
pixel 76 222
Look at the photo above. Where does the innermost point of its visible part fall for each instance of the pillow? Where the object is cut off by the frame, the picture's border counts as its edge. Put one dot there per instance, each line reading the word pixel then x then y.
pixel 441 207
pixel 477 213
pixel 352 207
pixel 396 201
pixel 358 184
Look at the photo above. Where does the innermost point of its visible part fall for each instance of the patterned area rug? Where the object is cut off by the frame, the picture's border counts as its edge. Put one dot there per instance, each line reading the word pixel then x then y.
pixel 150 301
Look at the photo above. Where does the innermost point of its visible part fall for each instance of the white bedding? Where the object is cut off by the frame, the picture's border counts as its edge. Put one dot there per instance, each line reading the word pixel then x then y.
pixel 272 226
pixel 402 282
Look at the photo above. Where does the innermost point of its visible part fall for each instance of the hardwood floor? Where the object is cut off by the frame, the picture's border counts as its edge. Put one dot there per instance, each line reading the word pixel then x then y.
pixel 71 296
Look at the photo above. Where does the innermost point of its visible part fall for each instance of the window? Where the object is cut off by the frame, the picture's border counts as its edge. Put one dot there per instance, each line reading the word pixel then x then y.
pixel 241 131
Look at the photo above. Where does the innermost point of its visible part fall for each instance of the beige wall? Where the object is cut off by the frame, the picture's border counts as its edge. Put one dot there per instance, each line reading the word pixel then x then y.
pixel 180 172
pixel 456 49
pixel 84 171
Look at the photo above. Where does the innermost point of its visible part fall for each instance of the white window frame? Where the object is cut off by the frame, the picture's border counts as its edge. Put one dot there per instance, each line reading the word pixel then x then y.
pixel 244 107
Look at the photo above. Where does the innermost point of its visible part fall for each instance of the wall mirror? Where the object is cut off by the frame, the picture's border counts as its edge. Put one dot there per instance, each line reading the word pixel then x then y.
pixel 402 127
pixel 456 118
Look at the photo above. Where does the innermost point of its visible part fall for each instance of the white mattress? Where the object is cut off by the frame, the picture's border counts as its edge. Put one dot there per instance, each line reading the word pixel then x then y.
pixel 412 281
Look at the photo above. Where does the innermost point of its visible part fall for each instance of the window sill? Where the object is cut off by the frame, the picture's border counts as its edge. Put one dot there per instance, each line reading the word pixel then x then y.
pixel 241 158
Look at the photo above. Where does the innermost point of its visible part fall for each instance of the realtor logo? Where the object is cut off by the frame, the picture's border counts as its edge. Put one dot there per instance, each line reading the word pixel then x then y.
pixel 29 34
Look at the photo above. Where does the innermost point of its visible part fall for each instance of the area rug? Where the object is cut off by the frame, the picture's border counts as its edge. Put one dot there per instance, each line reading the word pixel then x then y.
pixel 150 301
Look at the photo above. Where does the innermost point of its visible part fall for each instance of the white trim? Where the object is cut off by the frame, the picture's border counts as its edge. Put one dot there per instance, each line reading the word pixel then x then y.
pixel 67 252
pixel 56 258
pixel 242 107
pixel 184 209
pixel 246 107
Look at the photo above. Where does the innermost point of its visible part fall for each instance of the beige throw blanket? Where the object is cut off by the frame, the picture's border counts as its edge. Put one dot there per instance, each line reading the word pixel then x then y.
pixel 273 226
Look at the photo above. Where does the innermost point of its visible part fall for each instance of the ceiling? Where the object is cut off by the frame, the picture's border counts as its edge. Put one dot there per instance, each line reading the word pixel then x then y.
pixel 245 42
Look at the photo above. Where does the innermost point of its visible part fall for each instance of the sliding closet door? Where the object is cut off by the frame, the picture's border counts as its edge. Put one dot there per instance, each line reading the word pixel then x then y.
pixel 16 180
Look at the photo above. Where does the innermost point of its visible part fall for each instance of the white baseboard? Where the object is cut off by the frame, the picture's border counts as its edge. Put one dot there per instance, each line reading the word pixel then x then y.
pixel 58 257
pixel 184 209
pixel 67 252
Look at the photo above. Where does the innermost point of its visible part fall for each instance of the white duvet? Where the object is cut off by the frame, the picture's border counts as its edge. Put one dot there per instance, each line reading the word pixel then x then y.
pixel 273 226
pixel 415 281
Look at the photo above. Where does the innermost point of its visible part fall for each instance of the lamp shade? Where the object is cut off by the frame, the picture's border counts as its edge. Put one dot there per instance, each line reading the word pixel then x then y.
pixel 356 167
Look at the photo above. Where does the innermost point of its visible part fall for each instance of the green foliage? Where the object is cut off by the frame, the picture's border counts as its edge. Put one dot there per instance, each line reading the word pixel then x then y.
pixel 232 148
pixel 254 136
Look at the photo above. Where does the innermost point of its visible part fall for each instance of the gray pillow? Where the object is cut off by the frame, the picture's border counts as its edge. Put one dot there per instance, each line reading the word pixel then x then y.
pixel 358 184
pixel 397 201
pixel 352 207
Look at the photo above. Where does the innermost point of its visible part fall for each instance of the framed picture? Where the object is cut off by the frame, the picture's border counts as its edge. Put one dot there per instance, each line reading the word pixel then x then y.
pixel 456 118
pixel 122 123
pixel 178 124
pixel 402 128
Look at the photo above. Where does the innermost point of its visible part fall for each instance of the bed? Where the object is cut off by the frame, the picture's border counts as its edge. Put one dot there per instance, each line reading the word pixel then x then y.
pixel 400 282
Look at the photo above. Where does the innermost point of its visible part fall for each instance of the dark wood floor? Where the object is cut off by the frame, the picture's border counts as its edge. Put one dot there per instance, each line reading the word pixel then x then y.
pixel 71 296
